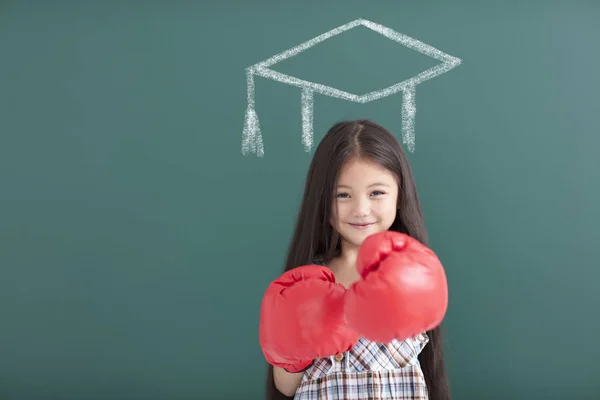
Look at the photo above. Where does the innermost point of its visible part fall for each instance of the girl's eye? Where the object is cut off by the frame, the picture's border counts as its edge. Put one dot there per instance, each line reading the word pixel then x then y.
pixel 342 195
pixel 377 192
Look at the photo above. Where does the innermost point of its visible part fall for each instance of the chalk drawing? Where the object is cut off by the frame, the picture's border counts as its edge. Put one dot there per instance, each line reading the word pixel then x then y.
pixel 252 138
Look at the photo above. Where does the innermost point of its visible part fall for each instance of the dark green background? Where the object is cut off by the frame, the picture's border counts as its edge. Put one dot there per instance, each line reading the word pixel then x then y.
pixel 136 240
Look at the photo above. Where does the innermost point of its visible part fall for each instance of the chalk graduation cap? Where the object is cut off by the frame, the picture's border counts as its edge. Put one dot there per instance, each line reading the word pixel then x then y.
pixel 252 138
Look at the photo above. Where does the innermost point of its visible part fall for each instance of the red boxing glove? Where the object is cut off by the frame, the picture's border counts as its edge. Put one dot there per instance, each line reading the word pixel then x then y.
pixel 403 290
pixel 302 318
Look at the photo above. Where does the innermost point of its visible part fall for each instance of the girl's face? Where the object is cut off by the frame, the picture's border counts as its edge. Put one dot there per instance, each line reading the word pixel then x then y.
pixel 365 201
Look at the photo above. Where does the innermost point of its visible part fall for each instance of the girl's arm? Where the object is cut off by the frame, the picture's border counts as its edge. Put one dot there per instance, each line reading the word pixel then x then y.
pixel 286 382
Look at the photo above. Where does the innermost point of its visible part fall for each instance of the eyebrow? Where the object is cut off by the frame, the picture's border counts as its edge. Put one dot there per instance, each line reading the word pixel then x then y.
pixel 371 185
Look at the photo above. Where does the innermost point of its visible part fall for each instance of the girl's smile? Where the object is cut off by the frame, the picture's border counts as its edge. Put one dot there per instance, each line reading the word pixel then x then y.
pixel 362 227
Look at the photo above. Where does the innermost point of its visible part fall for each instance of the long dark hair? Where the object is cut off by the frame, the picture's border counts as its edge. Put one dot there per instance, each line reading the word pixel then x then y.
pixel 313 235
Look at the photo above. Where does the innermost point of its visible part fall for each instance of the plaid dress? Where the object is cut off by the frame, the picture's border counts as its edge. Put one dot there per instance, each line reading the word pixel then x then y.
pixel 369 371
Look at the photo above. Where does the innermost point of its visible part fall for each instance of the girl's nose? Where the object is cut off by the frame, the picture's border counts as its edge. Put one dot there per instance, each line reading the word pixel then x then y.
pixel 363 208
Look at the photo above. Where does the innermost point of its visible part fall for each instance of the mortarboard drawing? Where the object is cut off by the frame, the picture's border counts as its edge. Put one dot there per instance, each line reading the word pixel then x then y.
pixel 252 138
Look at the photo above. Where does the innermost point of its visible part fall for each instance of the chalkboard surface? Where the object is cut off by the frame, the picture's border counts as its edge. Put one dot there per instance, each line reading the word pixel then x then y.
pixel 148 197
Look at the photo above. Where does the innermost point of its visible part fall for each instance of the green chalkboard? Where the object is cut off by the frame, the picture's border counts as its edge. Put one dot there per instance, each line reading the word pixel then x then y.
pixel 137 235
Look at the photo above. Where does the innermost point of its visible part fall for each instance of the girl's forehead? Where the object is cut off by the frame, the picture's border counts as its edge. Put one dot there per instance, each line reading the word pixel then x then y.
pixel 363 167
pixel 364 174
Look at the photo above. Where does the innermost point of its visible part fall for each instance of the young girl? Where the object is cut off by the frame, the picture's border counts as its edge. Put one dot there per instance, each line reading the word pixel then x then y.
pixel 360 183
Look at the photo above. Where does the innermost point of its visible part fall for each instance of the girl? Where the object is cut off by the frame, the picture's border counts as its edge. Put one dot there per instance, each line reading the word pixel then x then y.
pixel 359 183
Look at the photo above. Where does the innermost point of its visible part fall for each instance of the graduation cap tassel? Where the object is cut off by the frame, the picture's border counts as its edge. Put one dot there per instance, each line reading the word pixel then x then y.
pixel 409 109
pixel 307 118
pixel 251 137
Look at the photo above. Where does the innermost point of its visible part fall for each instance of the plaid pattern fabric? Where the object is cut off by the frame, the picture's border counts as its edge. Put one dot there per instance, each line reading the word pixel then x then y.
pixel 369 371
